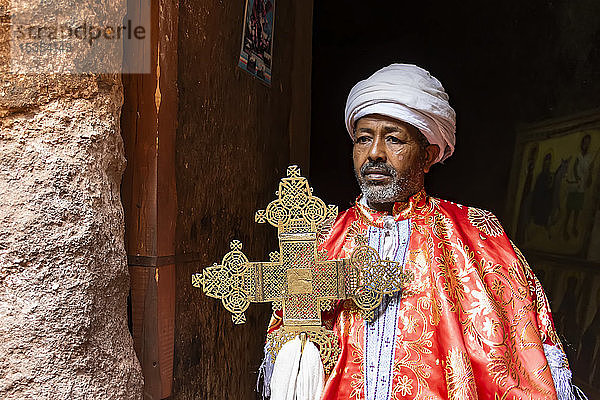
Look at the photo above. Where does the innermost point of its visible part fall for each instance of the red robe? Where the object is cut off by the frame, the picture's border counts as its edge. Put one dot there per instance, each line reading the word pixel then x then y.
pixel 472 322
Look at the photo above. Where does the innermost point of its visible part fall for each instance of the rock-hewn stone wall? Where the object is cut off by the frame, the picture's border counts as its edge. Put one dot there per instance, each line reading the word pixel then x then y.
pixel 63 271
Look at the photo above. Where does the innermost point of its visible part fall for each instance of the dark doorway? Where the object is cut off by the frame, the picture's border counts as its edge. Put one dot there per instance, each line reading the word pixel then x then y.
pixel 502 63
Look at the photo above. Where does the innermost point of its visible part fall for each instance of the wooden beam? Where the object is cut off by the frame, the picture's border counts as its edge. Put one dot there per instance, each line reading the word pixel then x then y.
pixel 149 123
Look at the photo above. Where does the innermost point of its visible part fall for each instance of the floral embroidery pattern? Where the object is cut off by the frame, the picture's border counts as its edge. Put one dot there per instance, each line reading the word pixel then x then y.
pixel 405 385
pixel 358 379
pixel 474 305
pixel 485 221
pixel 459 376
pixel 413 346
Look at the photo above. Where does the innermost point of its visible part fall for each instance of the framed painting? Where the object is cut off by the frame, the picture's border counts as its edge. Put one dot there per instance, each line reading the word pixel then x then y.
pixel 553 202
pixel 256 55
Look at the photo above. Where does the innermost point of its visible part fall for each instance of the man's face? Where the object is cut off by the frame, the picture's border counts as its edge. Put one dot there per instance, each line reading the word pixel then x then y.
pixel 585 144
pixel 390 159
pixel 547 162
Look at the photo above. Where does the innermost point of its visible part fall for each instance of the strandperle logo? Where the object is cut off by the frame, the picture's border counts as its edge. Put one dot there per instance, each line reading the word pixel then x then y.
pixel 83 31
pixel 48 37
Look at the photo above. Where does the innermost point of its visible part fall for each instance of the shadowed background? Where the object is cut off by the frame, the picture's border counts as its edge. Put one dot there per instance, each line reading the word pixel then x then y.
pixel 502 63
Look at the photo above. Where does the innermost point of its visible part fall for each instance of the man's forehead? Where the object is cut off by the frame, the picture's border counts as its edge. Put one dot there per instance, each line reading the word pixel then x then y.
pixel 382 119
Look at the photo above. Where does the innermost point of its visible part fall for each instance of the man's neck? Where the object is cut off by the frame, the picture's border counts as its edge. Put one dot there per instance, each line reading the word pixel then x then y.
pixel 389 206
pixel 381 207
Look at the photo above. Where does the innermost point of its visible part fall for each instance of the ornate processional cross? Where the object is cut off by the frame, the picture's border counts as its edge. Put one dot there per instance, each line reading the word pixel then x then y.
pixel 298 279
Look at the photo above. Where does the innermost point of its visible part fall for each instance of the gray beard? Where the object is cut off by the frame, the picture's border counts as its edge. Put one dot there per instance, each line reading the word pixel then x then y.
pixel 399 189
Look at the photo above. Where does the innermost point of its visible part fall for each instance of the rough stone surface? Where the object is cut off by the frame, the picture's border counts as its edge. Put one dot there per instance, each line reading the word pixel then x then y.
pixel 63 272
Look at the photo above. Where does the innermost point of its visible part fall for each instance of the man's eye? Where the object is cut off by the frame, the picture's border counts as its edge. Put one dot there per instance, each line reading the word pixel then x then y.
pixel 394 140
pixel 362 139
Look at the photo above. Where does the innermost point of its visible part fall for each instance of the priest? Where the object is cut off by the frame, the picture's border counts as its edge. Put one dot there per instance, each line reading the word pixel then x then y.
pixel 474 322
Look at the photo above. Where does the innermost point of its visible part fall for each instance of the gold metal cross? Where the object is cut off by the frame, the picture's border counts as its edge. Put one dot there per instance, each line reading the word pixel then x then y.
pixel 298 279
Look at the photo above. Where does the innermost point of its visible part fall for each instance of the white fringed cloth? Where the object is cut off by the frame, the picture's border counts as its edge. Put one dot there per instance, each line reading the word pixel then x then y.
pixel 297 374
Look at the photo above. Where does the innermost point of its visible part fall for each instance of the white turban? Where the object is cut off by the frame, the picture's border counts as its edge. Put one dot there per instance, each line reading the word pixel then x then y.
pixel 407 93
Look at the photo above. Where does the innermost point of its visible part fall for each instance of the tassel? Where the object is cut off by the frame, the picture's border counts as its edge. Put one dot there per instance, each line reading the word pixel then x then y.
pixel 311 377
pixel 285 371
pixel 561 374
pixel 265 372
pixel 578 394
pixel 298 372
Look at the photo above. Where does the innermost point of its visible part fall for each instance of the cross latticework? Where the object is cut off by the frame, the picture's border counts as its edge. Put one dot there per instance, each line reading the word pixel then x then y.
pixel 295 279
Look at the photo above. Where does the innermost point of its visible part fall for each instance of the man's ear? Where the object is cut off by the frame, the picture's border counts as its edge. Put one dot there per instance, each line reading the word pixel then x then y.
pixel 431 154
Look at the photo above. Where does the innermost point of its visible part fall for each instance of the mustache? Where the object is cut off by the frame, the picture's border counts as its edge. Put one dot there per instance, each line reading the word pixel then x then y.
pixel 377 167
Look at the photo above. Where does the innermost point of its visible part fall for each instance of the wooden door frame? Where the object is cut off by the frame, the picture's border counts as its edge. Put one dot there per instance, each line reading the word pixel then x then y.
pixel 148 126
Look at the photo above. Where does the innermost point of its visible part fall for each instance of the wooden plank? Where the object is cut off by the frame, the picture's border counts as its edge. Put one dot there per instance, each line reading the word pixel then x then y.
pixel 139 285
pixel 299 120
pixel 150 359
pixel 166 325
pixel 166 102
pixel 235 139
pixel 148 123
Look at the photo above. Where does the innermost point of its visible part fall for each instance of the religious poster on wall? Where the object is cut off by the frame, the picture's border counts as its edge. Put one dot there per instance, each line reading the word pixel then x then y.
pixel 556 187
pixel 257 39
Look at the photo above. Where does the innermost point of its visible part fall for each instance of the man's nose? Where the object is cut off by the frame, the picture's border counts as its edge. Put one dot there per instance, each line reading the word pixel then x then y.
pixel 377 150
